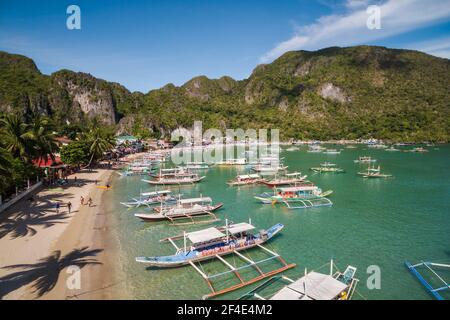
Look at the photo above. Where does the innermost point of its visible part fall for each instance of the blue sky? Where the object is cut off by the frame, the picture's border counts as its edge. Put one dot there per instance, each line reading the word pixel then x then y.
pixel 147 44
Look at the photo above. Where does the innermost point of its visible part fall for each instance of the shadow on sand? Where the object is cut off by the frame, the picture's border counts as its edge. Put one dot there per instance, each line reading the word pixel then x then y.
pixel 25 224
pixel 45 273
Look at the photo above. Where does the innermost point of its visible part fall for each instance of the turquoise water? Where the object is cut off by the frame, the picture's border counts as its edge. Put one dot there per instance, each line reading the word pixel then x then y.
pixel 372 222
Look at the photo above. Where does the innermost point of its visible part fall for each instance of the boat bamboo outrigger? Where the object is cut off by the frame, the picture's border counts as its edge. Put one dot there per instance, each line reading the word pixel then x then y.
pixel 247 179
pixel 312 286
pixel 184 209
pixel 213 243
pixel 392 149
pixel 365 159
pixel 298 197
pixel 268 168
pixel 332 151
pixel 436 292
pixel 190 166
pixel 327 167
pixel 285 180
pixel 151 198
pixel 417 150
pixel 233 162
pixel 175 177
pixel 374 173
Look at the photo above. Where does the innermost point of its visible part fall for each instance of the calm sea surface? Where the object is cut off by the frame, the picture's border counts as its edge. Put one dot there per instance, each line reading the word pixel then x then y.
pixel 372 222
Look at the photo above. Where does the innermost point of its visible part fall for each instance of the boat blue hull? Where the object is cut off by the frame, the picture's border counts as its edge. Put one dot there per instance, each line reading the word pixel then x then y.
pixel 182 259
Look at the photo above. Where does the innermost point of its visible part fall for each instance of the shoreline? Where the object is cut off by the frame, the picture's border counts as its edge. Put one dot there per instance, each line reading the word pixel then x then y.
pixel 93 228
pixel 40 249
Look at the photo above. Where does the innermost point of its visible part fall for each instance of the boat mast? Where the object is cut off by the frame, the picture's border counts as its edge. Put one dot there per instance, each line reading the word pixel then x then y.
pixel 304 282
pixel 184 240
pixel 331 267
pixel 226 228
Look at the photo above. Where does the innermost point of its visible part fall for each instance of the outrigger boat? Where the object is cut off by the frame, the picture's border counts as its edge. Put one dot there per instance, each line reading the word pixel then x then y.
pixel 436 292
pixel 373 172
pixel 418 150
pixel 241 180
pixel 291 149
pixel 183 209
pixel 365 159
pixel 151 198
pixel 215 242
pixel 392 149
pixel 175 177
pixel 298 197
pixel 287 179
pixel 233 162
pixel 268 168
pixel 315 149
pixel 327 167
pixel 195 166
pixel 332 151
pixel 312 286
pixel 377 146
pixel 135 170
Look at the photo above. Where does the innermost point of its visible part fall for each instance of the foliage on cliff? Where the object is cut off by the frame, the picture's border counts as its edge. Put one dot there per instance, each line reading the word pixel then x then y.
pixel 327 94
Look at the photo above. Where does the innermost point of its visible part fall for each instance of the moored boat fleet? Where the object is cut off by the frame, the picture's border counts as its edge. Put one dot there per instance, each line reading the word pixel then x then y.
pixel 291 190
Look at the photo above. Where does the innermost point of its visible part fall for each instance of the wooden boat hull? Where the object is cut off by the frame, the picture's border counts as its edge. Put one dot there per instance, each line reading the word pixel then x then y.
pixel 242 183
pixel 174 182
pixel 154 217
pixel 327 170
pixel 277 199
pixel 273 184
pixel 183 259
pixel 374 176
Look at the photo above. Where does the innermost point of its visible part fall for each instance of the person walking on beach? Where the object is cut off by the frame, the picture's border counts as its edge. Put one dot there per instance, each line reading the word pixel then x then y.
pixel 69 206
pixel 57 207
pixel 90 201
pixel 82 200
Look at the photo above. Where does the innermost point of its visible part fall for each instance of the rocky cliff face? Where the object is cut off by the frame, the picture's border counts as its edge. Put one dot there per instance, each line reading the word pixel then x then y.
pixel 91 96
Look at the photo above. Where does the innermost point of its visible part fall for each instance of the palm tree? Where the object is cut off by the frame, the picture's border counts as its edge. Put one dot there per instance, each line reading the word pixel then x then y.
pixel 15 136
pixel 5 162
pixel 5 169
pixel 99 140
pixel 43 139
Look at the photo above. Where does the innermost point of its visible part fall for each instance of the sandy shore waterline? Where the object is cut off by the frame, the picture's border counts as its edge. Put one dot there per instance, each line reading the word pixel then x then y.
pixel 41 250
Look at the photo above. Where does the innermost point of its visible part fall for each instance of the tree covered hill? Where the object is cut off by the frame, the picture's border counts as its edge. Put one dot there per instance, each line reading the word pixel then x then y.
pixel 332 93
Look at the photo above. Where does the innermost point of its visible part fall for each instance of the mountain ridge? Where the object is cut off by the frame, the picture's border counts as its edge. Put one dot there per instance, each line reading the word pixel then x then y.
pixel 334 92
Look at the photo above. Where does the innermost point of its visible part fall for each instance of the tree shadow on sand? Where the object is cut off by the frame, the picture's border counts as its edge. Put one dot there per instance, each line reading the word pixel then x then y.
pixel 25 225
pixel 45 273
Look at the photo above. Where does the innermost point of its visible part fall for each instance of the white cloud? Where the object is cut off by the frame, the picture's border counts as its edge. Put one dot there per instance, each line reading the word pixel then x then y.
pixel 438 47
pixel 397 16
pixel 357 4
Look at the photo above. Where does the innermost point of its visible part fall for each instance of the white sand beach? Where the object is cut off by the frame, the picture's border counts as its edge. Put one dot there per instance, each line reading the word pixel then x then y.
pixel 39 247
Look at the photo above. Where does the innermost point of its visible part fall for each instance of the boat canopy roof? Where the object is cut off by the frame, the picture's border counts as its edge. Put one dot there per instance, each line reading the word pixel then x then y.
pixel 318 287
pixel 295 189
pixel 236 160
pixel 240 227
pixel 204 235
pixel 156 193
pixel 248 176
pixel 195 200
pixel 293 174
